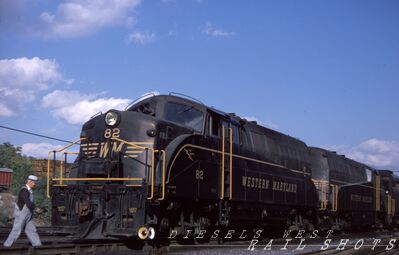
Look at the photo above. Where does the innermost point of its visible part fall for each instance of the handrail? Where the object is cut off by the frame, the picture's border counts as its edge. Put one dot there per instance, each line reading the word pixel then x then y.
pixel 142 97
pixel 389 204
pixel 163 174
pixel 336 197
pixel 322 184
pixel 152 161
pixel 152 174
pixel 222 191
pixel 377 193
pixel 332 197
pixel 130 143
pixel 61 179
pixel 231 163
pixel 61 162
pixel 335 200
pixel 98 179
pixel 48 162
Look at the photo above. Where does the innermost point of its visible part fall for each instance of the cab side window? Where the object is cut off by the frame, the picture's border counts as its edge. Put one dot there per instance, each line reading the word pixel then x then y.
pixel 236 134
pixel 215 128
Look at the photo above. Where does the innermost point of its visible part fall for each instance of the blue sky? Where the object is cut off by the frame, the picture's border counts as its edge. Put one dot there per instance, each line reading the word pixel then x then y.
pixel 326 72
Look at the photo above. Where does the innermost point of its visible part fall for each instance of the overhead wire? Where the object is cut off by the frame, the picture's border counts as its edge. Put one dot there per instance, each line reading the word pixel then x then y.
pixel 35 134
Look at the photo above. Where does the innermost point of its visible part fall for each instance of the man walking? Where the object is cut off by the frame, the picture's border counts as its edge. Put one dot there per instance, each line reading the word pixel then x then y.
pixel 23 215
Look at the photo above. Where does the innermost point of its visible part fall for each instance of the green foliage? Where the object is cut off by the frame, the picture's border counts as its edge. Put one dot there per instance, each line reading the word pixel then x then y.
pixel 42 202
pixel 10 157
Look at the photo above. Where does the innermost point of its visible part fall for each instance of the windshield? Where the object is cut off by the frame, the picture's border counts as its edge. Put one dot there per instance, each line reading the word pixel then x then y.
pixel 184 115
pixel 145 107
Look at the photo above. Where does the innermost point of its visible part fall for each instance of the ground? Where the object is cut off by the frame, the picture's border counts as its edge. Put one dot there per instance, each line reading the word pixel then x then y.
pixel 7 201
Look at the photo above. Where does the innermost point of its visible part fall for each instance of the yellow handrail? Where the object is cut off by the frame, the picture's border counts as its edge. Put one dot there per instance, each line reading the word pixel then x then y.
pixel 98 179
pixel 130 143
pixel 377 193
pixel 152 161
pixel 322 186
pixel 61 179
pixel 61 163
pixel 222 191
pixel 332 197
pixel 152 174
pixel 231 163
pixel 389 204
pixel 48 162
pixel 163 174
pixel 337 197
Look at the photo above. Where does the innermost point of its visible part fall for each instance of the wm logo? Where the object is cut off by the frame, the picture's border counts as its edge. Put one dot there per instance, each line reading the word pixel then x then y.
pixel 105 149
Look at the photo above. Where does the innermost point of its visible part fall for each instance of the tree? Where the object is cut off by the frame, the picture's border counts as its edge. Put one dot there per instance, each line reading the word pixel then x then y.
pixel 10 157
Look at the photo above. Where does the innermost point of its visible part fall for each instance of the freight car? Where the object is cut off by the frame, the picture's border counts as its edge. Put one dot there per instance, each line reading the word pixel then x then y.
pixel 169 163
pixel 6 176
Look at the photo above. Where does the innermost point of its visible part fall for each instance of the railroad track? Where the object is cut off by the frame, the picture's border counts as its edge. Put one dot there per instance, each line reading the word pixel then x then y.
pixel 115 248
pixel 62 245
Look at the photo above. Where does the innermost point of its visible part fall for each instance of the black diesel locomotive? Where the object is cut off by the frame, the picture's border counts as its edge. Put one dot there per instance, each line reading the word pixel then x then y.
pixel 169 163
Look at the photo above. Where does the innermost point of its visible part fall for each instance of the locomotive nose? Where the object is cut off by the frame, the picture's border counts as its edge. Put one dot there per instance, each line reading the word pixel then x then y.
pixel 113 177
pixel 117 136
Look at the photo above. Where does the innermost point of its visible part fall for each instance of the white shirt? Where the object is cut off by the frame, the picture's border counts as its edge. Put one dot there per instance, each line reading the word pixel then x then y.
pixel 27 186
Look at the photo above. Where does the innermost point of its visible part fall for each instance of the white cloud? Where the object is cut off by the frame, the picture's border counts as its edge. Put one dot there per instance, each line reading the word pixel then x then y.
pixel 76 108
pixel 211 31
pixel 374 152
pixel 38 150
pixel 141 38
pixel 76 18
pixel 22 78
pixel 5 111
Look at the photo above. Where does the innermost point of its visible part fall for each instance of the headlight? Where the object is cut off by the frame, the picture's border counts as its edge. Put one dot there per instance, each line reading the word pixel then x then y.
pixel 111 118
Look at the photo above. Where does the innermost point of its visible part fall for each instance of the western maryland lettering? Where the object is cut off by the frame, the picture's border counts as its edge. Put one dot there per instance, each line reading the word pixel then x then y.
pixel 284 186
pixel 104 149
pixel 253 182
pixel 362 199
pixel 261 183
